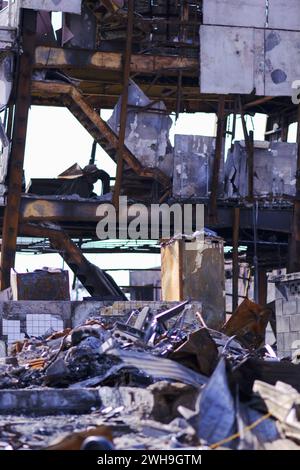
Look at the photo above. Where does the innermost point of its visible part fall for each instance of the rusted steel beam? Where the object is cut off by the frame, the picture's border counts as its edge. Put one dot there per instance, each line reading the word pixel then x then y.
pixel 54 57
pixel 217 159
pixel 294 243
pixel 15 170
pixel 259 101
pixel 124 103
pixel 235 258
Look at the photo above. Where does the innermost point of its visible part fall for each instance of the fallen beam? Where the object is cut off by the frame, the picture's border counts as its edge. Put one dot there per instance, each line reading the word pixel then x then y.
pixel 96 281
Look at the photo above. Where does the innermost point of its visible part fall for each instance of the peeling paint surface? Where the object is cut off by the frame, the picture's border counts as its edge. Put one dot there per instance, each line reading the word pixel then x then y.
pixel 193 165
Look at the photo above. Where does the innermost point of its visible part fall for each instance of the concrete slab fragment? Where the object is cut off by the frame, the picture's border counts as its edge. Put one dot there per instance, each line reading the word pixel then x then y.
pixel 48 401
pixel 235 12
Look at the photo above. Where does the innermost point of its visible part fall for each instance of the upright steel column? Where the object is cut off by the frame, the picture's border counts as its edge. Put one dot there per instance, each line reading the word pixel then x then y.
pixel 123 113
pixel 294 243
pixel 217 160
pixel 15 170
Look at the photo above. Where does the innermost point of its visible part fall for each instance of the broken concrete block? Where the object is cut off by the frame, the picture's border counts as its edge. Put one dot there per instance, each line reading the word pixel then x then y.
pixel 48 401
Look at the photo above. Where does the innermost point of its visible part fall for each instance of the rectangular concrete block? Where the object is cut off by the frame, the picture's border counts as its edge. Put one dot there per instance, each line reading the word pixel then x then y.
pixel 280 341
pixel 278 307
pixel 295 323
pixel 283 324
pixel 282 354
pixel 289 307
pixel 291 341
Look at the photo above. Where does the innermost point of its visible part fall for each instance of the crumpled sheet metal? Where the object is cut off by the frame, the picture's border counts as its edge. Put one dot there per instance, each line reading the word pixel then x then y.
pixel 217 419
pixel 158 368
pixel 199 352
pixel 215 416
pixel 147 131
pixel 248 323
pixel 256 438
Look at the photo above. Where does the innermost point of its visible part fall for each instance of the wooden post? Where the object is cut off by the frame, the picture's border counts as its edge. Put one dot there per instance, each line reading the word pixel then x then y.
pixel 217 160
pixel 294 242
pixel 123 113
pixel 15 170
pixel 235 258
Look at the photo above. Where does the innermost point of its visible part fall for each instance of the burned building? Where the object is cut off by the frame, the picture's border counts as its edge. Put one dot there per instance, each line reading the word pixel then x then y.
pixel 174 356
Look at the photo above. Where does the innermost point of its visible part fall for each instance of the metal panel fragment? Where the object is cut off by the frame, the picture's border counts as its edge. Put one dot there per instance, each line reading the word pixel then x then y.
pixel 6 77
pixel 193 165
pixel 215 416
pixel 274 169
pixel 147 130
pixel 159 368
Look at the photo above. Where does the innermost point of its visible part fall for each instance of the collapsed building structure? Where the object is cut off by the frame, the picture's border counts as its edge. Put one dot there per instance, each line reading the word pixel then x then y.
pixel 146 60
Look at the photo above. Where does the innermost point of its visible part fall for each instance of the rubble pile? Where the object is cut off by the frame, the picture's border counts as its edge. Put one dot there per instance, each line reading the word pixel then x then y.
pixel 157 380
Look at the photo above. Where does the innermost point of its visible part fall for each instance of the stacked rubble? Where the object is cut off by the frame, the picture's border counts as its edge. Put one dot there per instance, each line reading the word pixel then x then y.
pixel 152 382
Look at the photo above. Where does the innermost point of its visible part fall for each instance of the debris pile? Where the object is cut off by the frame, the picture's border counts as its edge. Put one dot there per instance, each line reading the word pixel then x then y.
pixel 156 381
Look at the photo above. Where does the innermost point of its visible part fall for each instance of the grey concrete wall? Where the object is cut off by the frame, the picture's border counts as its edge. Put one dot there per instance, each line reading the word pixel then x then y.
pixel 288 314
